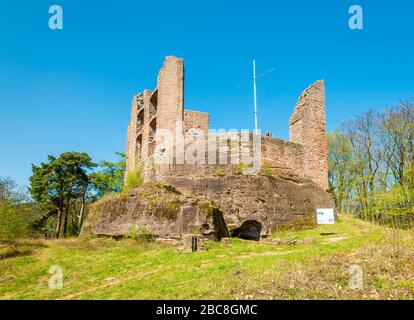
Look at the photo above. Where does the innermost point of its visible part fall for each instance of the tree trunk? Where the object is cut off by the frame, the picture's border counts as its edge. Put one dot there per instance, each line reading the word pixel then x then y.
pixel 59 223
pixel 65 223
pixel 82 211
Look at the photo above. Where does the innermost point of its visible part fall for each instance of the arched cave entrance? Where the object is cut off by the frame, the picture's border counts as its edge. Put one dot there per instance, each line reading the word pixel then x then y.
pixel 249 230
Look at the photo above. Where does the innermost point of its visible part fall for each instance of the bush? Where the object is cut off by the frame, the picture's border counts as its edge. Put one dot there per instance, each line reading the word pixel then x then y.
pixel 241 168
pixel 134 179
pixel 140 234
pixel 267 170
pixel 13 224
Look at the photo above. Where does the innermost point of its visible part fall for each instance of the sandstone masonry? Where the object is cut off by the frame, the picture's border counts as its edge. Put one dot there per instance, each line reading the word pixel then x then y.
pixel 163 108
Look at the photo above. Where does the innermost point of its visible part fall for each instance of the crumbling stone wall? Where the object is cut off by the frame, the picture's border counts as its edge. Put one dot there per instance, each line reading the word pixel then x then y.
pixel 138 135
pixel 171 94
pixel 282 155
pixel 163 108
pixel 308 128
pixel 150 110
pixel 196 120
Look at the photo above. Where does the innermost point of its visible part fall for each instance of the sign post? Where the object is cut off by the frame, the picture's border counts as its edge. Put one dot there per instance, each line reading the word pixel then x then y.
pixel 326 216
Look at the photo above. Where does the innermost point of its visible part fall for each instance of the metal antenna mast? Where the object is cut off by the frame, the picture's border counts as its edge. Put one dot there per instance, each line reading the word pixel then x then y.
pixel 255 97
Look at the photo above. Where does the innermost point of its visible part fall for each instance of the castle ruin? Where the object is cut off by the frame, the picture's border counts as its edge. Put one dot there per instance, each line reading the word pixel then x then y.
pixel 305 155
pixel 212 198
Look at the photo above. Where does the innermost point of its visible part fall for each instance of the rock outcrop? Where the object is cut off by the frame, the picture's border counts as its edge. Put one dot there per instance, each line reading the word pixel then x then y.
pixel 159 210
pixel 248 207
pixel 262 201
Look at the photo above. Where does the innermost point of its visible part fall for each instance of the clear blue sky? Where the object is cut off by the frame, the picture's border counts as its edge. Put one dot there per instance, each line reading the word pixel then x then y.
pixel 71 90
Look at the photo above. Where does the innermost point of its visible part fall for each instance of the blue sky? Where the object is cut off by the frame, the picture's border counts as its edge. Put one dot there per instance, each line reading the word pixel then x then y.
pixel 71 89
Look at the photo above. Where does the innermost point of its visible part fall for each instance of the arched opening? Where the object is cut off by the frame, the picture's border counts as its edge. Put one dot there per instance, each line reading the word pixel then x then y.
pixel 140 120
pixel 151 140
pixel 249 230
pixel 153 104
pixel 138 148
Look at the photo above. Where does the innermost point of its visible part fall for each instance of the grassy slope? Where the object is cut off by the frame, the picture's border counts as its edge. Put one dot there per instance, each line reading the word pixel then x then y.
pixel 107 269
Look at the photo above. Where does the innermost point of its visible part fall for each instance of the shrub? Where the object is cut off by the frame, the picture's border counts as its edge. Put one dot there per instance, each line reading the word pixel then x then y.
pixel 267 170
pixel 134 179
pixel 219 173
pixel 140 234
pixel 241 168
pixel 13 224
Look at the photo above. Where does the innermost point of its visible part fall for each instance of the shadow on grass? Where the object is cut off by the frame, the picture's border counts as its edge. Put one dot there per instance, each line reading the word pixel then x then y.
pixel 10 249
pixel 13 253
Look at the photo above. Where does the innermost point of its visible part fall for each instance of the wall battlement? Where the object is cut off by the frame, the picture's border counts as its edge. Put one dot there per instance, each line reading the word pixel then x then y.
pixel 163 109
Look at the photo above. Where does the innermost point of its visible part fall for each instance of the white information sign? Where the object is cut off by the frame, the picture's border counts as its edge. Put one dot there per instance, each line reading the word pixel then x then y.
pixel 325 216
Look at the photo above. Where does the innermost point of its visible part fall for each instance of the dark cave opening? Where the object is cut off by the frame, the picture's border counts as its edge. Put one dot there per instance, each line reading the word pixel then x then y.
pixel 249 230
pixel 220 226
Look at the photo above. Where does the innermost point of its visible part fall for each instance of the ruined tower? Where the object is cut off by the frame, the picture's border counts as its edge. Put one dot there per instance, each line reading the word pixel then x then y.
pixel 171 94
pixel 308 128
pixel 162 108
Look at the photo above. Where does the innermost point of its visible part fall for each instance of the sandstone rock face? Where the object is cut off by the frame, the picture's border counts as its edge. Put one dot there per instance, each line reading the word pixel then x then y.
pixel 248 207
pixel 266 202
pixel 160 210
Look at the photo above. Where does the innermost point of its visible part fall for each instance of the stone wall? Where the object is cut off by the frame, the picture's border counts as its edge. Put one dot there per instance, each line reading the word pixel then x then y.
pixel 139 133
pixel 151 110
pixel 131 146
pixel 196 120
pixel 282 155
pixel 308 128
pixel 171 94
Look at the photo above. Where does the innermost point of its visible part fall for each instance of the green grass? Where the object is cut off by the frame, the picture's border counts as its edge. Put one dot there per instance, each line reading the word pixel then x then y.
pixel 109 269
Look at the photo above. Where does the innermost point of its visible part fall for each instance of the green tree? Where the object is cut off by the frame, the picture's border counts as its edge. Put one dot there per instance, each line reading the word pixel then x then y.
pixel 340 168
pixel 16 217
pixel 57 183
pixel 13 224
pixel 371 165
pixel 110 176
pixel 9 191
